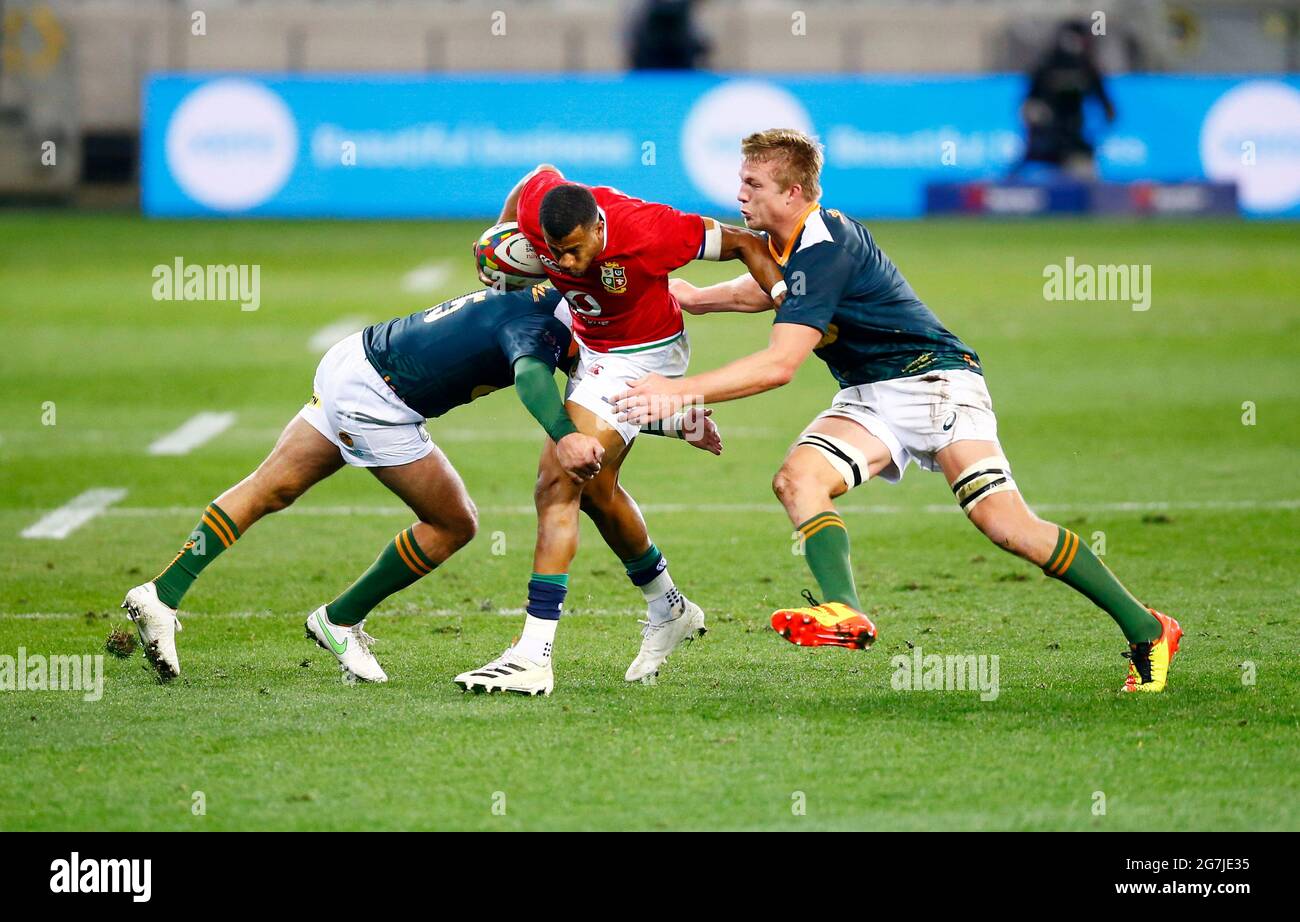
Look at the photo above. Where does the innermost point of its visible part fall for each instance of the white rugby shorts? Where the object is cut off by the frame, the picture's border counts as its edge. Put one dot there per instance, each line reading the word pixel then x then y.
pixel 353 408
pixel 601 375
pixel 920 415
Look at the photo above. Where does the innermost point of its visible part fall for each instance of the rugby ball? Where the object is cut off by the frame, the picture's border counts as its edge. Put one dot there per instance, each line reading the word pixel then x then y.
pixel 506 258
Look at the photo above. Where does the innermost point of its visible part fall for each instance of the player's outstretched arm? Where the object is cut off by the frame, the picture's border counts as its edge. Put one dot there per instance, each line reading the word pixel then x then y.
pixel 655 397
pixel 751 249
pixel 580 455
pixel 510 210
pixel 693 426
pixel 724 242
pixel 740 295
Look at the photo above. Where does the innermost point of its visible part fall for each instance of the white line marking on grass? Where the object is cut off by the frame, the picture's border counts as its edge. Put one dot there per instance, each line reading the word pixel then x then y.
pixel 193 432
pixel 522 433
pixel 1244 505
pixel 534 434
pixel 263 613
pixel 427 278
pixel 325 337
pixel 73 514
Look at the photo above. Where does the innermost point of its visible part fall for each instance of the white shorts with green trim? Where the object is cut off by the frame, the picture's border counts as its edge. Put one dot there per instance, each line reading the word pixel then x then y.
pixel 352 407
pixel 918 416
pixel 601 375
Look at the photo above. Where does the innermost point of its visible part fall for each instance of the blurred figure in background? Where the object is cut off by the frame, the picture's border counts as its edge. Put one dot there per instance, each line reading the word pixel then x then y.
pixel 664 37
pixel 1053 110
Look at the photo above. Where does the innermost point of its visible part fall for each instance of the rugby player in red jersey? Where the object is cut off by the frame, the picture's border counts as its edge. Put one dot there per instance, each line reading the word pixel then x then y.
pixel 609 254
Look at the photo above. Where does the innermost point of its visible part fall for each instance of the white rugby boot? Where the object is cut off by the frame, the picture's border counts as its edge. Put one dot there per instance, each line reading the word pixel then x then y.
pixel 157 624
pixel 661 639
pixel 350 646
pixel 511 671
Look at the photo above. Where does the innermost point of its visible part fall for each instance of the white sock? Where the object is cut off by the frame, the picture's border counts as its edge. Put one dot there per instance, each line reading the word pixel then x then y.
pixel 663 598
pixel 535 643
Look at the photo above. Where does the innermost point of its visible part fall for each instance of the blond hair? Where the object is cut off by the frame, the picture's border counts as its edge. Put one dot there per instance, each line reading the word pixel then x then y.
pixel 796 158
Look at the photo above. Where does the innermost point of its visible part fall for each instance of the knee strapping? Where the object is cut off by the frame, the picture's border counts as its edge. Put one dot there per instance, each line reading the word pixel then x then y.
pixel 982 479
pixel 849 461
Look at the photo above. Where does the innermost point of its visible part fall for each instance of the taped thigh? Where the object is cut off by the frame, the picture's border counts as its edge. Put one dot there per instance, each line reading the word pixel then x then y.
pixel 982 479
pixel 849 461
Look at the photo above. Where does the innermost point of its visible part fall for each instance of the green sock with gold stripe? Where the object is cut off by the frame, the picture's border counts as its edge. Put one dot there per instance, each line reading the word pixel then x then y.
pixel 398 566
pixel 215 532
pixel 1074 563
pixel 826 548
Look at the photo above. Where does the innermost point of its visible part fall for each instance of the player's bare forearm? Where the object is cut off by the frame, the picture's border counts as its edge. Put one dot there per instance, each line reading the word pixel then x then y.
pixel 654 397
pixel 693 426
pixel 510 210
pixel 739 295
pixel 789 346
pixel 751 249
pixel 753 374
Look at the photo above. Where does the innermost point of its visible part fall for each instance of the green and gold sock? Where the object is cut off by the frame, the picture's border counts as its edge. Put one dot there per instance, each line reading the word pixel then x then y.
pixel 1074 564
pixel 215 532
pixel 398 566
pixel 826 547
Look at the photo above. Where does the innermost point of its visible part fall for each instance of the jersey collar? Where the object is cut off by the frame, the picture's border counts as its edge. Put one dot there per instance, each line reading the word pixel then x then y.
pixel 604 239
pixel 784 257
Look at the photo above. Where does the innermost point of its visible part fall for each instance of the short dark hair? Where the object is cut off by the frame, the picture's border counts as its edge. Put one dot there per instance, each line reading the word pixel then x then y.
pixel 565 207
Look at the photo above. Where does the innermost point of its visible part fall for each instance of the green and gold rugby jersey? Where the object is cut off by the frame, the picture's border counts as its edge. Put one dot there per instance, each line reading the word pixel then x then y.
pixel 874 327
pixel 461 349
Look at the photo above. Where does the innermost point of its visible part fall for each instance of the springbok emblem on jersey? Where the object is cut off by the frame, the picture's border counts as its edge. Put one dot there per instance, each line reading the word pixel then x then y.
pixel 614 277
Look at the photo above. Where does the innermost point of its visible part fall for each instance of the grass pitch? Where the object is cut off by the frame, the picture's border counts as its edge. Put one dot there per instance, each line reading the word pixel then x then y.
pixel 1127 426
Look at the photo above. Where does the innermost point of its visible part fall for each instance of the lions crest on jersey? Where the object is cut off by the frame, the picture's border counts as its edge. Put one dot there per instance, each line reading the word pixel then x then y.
pixel 614 277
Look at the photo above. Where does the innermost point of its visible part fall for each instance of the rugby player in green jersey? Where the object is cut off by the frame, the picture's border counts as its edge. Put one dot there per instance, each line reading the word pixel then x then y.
pixel 911 392
pixel 371 395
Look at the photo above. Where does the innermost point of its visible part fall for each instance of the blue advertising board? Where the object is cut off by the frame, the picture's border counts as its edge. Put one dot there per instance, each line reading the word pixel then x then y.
pixel 433 146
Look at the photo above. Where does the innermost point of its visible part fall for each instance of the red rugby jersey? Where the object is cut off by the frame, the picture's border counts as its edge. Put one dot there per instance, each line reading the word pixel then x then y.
pixel 622 301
